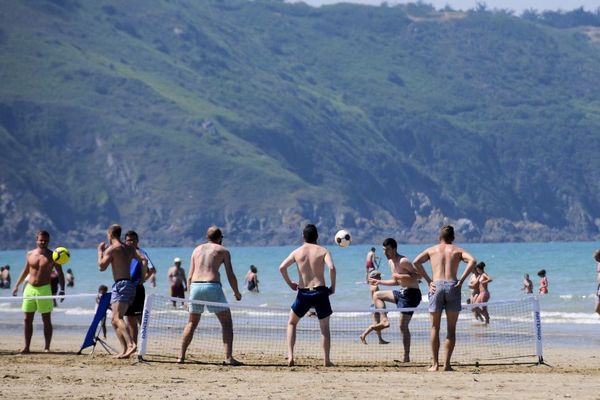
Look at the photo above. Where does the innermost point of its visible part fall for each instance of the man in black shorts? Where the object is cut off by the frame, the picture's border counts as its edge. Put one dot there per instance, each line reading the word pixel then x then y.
pixel 312 291
pixel 139 273
pixel 408 294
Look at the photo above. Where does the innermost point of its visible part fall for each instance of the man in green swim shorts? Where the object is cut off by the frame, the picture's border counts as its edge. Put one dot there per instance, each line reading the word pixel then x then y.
pixel 39 266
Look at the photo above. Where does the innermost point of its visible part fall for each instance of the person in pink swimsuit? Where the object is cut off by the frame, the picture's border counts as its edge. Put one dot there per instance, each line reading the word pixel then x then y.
pixel 543 282
pixel 484 294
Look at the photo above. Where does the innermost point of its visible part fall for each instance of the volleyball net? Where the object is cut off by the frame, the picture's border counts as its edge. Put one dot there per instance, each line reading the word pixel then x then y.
pixel 513 335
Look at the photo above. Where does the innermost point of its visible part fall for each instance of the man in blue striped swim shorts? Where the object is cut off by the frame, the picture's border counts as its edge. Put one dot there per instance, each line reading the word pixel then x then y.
pixel 444 289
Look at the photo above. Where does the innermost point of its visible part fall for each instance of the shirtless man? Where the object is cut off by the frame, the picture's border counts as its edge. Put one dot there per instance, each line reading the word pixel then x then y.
pixel 119 255
pixel 39 265
pixel 370 263
pixel 310 259
pixel 597 258
pixel 204 282
pixel 408 295
pixel 177 280
pixel 444 289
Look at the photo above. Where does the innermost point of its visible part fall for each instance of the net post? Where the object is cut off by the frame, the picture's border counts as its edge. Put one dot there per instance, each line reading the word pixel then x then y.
pixel 143 335
pixel 537 320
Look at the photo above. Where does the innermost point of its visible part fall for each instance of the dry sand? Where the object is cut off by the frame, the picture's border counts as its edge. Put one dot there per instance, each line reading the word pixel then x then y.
pixel 571 373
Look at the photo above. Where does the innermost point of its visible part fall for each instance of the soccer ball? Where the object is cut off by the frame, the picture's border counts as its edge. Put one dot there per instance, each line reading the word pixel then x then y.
pixel 61 255
pixel 343 238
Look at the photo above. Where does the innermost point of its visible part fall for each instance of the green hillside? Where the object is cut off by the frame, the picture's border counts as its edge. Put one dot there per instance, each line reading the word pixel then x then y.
pixel 260 116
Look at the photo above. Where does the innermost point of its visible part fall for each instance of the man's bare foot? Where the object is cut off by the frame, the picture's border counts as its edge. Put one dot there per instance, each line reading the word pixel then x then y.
pixel 290 362
pixel 448 368
pixel 406 359
pixel 119 355
pixel 181 360
pixel 232 362
pixel 328 364
pixel 132 349
pixel 47 351
pixel 363 340
pixel 433 368
pixel 381 341
pixel 24 351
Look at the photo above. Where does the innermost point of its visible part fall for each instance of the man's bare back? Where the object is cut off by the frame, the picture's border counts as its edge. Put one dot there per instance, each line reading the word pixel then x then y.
pixel 206 261
pixel 120 256
pixel 445 259
pixel 310 259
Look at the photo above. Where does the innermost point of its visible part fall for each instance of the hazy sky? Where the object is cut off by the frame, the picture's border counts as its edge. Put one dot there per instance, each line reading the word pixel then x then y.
pixel 517 5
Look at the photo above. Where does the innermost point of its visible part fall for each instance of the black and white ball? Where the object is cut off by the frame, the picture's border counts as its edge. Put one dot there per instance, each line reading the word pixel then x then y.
pixel 343 238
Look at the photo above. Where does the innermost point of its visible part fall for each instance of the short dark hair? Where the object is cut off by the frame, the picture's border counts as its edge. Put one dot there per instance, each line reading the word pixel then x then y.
pixel 115 231
pixel 480 265
pixel 43 233
pixel 541 273
pixel 103 288
pixel 132 234
pixel 390 242
pixel 310 233
pixel 253 268
pixel 214 233
pixel 447 233
pixel 372 248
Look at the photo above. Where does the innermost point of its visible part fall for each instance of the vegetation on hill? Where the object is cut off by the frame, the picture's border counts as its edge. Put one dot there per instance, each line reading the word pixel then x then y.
pixel 260 116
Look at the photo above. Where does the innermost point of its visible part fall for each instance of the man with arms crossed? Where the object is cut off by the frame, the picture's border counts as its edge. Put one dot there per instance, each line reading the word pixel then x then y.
pixel 139 274
pixel 120 255
pixel 408 295
pixel 204 282
pixel 39 266
pixel 444 289
pixel 310 259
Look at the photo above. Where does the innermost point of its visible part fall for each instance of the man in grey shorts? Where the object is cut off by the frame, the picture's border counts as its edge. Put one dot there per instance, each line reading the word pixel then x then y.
pixel 444 289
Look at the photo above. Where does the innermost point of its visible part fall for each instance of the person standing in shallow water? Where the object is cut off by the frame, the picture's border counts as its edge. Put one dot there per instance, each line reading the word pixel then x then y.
pixel 543 282
pixel 251 279
pixel 527 284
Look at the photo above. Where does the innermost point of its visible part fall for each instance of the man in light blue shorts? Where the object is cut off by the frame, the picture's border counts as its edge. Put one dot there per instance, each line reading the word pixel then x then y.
pixel 204 282
pixel 207 291
pixel 444 289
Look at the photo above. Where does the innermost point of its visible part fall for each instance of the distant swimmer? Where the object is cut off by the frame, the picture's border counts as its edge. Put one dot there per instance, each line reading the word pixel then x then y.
pixel 371 263
pixel 70 278
pixel 311 259
pixel 408 295
pixel 251 279
pixel 204 282
pixel 119 255
pixel 597 258
pixel 5 277
pixel 378 325
pixel 444 289
pixel 38 267
pixel 527 284
pixel 543 281
pixel 483 279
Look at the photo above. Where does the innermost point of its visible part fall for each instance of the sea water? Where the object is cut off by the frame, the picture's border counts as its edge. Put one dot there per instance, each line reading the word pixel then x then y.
pixel 567 309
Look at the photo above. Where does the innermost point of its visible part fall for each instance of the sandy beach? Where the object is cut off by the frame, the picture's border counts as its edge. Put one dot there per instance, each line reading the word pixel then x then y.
pixel 569 373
